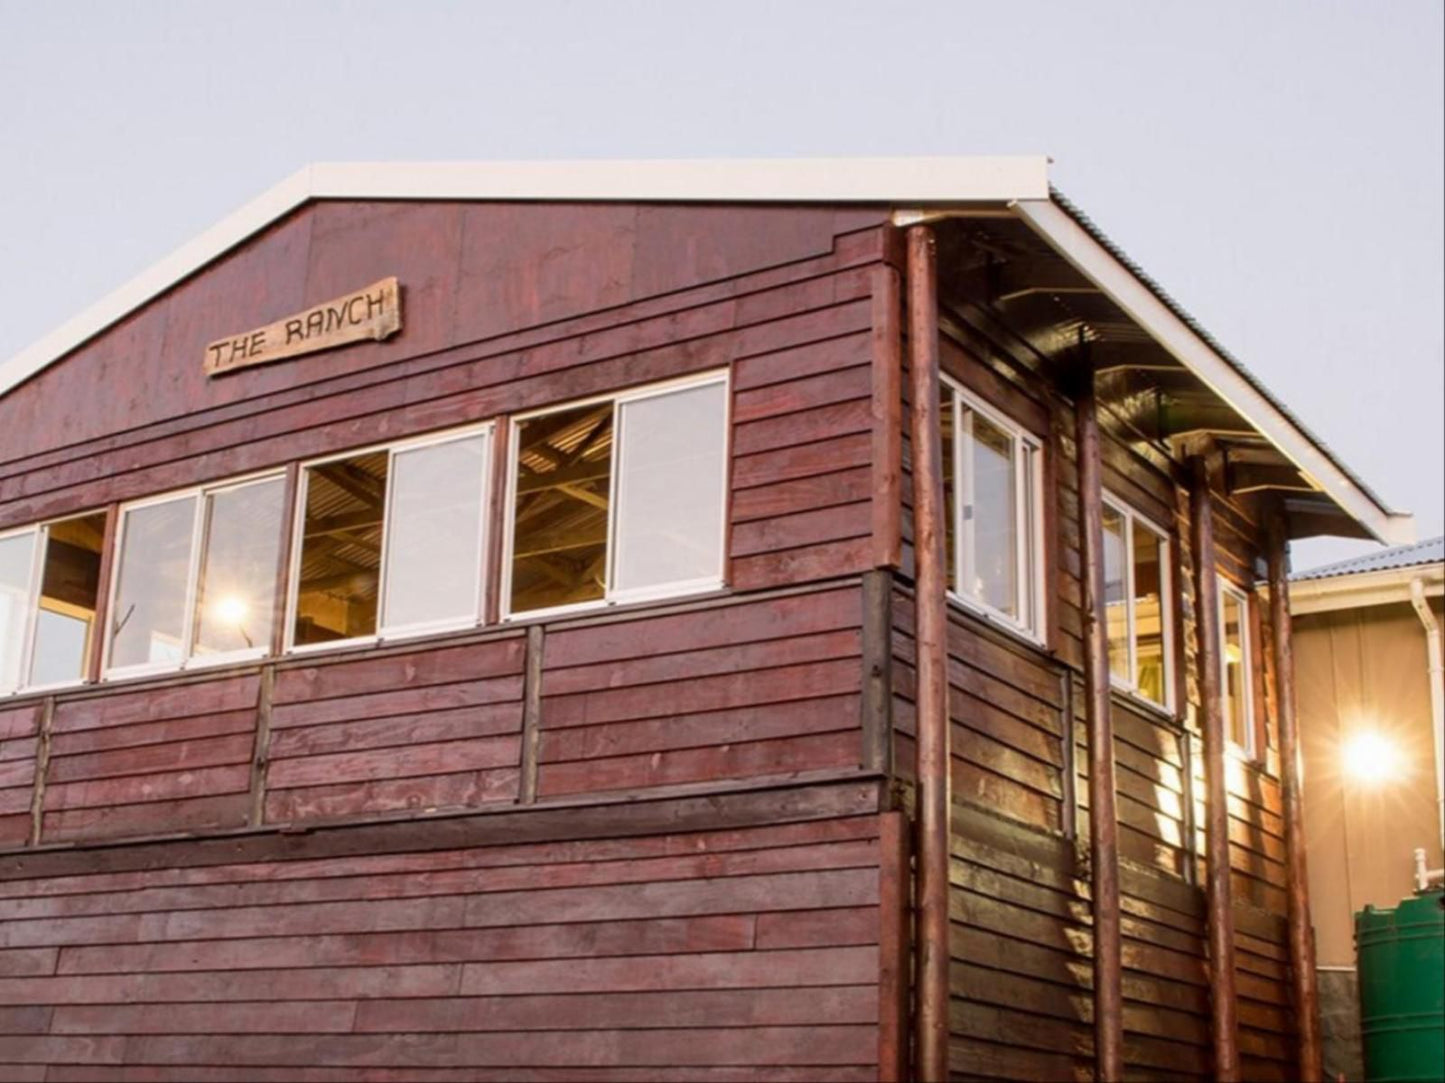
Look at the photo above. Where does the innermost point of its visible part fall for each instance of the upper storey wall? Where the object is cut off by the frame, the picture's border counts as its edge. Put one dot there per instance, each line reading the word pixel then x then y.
pixel 505 307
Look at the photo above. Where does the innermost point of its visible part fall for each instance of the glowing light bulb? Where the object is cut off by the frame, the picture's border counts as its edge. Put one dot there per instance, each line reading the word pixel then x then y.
pixel 1371 758
pixel 230 609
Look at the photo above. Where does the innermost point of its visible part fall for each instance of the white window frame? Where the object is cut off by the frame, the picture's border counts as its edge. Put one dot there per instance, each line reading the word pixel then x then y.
pixel 39 537
pixel 611 596
pixel 189 660
pixel 1130 685
pixel 41 531
pixel 1249 748
pixel 1030 575
pixel 384 633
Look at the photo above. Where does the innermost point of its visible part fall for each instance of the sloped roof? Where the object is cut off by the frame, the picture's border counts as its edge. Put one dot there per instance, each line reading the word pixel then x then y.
pixel 1430 551
pixel 1011 186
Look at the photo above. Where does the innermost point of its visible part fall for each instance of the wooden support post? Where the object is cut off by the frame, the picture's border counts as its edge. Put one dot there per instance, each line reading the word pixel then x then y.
pixel 893 953
pixel 877 729
pixel 934 797
pixel 1220 916
pixel 261 750
pixel 1301 932
pixel 531 714
pixel 886 414
pixel 1103 815
pixel 42 770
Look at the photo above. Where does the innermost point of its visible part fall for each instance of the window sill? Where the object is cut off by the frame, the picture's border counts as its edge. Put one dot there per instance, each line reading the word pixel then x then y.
pixel 1134 698
pixel 994 619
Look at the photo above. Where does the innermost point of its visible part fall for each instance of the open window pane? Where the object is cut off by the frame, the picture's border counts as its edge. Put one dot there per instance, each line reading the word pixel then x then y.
pixel 1116 592
pixel 1150 664
pixel 563 484
pixel 433 550
pixel 17 556
pixel 991 510
pixel 1235 669
pixel 338 585
pixel 148 622
pixel 670 488
pixel 234 597
pixel 69 592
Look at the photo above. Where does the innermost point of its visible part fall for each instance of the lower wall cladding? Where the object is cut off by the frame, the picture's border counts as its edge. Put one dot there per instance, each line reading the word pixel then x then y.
pixel 743 954
pixel 1022 972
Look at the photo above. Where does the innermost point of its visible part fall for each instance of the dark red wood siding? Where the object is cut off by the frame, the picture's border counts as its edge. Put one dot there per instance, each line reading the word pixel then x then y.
pixel 745 952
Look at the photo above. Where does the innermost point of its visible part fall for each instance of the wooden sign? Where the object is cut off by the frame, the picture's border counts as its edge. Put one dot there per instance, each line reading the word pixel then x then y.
pixel 370 313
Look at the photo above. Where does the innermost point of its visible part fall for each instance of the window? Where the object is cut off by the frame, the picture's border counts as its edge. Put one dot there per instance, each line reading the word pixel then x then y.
pixel 1236 667
pixel 391 541
pixel 992 496
pixel 195 577
pixel 49 584
pixel 1137 602
pixel 618 499
pixel 17 564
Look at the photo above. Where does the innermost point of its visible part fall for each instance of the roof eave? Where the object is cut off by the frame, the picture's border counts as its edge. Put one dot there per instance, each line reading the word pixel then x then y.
pixel 1093 260
pixel 1361 589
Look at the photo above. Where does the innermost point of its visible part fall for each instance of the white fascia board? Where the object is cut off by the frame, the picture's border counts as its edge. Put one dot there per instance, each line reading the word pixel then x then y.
pixel 1391 586
pixel 954 180
pixel 742 180
pixel 1095 262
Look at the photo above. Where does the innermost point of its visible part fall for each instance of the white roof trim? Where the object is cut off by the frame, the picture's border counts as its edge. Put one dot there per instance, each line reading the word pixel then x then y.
pixel 1361 589
pixel 761 180
pixel 1100 266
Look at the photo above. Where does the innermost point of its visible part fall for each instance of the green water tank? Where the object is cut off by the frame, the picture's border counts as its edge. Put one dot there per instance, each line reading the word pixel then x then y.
pixel 1401 954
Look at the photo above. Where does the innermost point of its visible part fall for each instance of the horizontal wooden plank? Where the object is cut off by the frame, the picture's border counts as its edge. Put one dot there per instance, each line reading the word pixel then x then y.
pixel 793 969
pixel 777 757
pixel 444 757
pixel 386 861
pixel 387 673
pixel 622 817
pixel 423 794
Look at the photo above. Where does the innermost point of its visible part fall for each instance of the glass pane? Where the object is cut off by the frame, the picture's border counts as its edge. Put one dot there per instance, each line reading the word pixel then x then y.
pixel 17 554
pixel 434 549
pixel 237 588
pixel 1116 590
pixel 69 590
pixel 670 488
pixel 148 624
pixel 1235 671
pixel 337 588
pixel 993 515
pixel 950 496
pixel 1151 665
pixel 564 475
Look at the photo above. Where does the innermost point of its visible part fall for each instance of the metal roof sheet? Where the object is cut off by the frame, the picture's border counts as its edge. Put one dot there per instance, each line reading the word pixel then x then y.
pixel 1430 551
pixel 1194 325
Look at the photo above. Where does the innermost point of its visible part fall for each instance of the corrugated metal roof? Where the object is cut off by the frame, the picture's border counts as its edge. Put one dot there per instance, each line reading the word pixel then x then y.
pixel 1194 325
pixel 1430 551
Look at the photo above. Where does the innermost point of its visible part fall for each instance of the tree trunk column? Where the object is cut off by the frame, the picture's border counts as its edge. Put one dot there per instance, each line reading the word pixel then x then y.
pixel 1220 916
pixel 934 798
pixel 1103 816
pixel 1304 986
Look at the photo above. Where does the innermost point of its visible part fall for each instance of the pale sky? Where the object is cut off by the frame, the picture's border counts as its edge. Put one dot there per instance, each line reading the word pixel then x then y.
pixel 1277 166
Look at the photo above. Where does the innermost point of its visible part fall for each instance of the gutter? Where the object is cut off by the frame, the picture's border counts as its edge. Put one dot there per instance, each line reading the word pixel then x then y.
pixel 1437 697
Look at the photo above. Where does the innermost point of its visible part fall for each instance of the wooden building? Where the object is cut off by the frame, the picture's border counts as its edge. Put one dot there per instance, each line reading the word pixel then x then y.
pixel 664 621
pixel 1371 694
